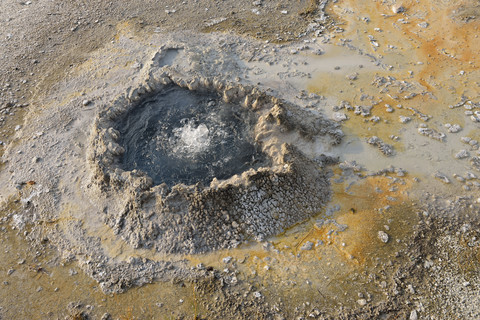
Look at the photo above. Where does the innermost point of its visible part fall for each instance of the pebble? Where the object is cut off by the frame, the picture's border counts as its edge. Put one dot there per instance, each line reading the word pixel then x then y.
pixel 86 102
pixel 352 77
pixel 18 127
pixel 470 176
pixel 106 316
pixel 462 154
pixel 307 246
pixel 413 315
pixel 362 302
pixel 404 119
pixel 227 259
pixel 257 294
pixel 453 128
pixel 383 236
pixel 440 176
pixel 398 9
pixel 339 116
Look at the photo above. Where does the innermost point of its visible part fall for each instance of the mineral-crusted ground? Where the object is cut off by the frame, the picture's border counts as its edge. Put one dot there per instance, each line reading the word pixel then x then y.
pixel 394 241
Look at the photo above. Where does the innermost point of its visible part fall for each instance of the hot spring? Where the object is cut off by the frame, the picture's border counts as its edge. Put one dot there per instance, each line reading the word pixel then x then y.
pixel 182 136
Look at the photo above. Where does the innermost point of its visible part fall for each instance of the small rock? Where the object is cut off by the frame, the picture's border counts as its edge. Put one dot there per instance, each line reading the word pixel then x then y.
pixel 307 246
pixel 413 315
pixel 106 316
pixel 398 9
pixel 18 127
pixel 352 77
pixel 453 128
pixel 404 119
pixel 227 259
pixel 362 302
pixel 423 24
pixel 440 176
pixel 257 294
pixel 86 102
pixel 462 154
pixel 339 117
pixel 383 236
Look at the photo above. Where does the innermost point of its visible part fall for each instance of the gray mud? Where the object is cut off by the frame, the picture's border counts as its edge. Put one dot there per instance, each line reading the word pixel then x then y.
pixel 179 136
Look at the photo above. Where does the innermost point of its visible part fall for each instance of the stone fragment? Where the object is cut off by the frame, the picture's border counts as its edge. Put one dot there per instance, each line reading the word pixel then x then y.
pixel 398 8
pixel 413 315
pixel 339 117
pixel 385 148
pixel 432 133
pixel 462 154
pixel 307 246
pixel 440 176
pixel 383 236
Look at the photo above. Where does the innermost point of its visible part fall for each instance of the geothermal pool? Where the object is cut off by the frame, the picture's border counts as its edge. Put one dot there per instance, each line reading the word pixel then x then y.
pixel 181 136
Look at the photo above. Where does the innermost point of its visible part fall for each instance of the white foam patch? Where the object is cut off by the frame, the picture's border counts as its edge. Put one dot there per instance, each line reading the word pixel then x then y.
pixel 190 140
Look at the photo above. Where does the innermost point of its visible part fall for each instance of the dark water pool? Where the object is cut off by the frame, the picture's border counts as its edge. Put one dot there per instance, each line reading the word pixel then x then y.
pixel 182 136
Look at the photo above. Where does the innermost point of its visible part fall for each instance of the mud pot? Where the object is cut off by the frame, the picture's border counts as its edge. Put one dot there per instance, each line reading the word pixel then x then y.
pixel 327 168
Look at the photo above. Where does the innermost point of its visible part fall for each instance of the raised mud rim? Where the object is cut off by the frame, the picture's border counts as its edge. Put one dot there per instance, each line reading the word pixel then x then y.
pixel 195 218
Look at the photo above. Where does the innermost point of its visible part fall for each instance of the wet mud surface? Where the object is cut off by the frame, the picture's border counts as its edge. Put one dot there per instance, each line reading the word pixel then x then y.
pixel 367 111
pixel 180 137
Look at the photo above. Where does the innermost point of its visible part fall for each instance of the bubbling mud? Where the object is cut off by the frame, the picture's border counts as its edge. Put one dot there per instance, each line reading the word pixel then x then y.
pixel 181 136
pixel 195 165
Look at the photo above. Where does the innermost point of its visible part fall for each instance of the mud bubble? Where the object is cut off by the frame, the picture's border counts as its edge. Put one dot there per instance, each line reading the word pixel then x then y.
pixel 183 136
pixel 263 186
